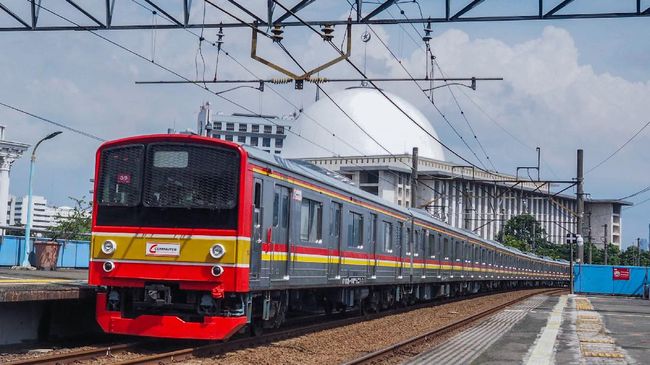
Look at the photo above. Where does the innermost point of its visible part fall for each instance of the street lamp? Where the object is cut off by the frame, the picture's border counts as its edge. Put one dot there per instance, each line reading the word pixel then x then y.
pixel 28 226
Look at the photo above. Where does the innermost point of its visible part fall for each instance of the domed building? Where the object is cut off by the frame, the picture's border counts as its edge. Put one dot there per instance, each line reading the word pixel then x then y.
pixel 360 121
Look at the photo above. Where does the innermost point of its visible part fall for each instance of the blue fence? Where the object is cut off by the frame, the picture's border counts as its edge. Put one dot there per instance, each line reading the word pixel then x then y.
pixel 610 279
pixel 72 254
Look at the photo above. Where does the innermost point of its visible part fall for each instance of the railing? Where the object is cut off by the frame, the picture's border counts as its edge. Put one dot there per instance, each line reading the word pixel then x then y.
pixel 72 253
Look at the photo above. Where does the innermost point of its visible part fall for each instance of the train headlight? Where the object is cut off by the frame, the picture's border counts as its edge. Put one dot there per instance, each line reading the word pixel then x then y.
pixel 108 266
pixel 109 246
pixel 217 251
pixel 217 270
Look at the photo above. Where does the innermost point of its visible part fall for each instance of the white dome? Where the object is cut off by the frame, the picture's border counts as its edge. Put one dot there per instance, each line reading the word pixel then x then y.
pixel 374 113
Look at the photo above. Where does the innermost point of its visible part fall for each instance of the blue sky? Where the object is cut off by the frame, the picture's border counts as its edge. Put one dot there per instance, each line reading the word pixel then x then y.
pixel 568 84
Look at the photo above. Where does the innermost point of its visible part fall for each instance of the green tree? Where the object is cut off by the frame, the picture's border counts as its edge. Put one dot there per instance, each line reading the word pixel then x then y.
pixel 76 225
pixel 523 232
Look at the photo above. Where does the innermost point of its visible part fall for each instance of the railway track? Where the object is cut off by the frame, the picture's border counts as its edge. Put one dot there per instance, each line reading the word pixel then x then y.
pixel 388 352
pixel 179 353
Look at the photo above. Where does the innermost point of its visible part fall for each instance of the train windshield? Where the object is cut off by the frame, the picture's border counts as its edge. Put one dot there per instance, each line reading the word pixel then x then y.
pixel 168 185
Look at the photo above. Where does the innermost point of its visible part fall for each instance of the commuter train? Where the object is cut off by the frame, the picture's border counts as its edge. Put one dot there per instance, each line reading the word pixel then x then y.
pixel 196 237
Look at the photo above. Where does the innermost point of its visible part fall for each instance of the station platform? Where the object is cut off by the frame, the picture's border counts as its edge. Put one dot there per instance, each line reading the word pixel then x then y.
pixel 39 285
pixel 565 329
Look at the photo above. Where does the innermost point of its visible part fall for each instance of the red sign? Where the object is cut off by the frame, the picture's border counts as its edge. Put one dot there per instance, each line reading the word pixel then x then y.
pixel 621 273
pixel 123 178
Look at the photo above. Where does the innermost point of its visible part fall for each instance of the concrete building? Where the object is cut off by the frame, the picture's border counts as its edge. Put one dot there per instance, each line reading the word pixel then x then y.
pixel 43 215
pixel 266 132
pixel 603 219
pixel 9 152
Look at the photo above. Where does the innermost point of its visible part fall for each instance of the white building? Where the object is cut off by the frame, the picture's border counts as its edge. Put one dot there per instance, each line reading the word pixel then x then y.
pixel 266 132
pixel 43 216
pixel 466 198
pixel 603 217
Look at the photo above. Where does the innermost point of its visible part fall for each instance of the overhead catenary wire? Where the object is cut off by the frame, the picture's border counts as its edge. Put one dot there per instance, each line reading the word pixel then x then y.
pixel 417 44
pixel 646 189
pixel 58 124
pixel 618 149
pixel 167 69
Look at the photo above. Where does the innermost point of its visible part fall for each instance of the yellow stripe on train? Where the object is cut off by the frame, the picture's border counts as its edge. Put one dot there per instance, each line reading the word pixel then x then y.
pixel 175 248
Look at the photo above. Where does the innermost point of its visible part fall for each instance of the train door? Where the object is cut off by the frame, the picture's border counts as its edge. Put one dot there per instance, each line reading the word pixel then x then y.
pixel 256 235
pixel 446 256
pixel 334 246
pixel 420 253
pixel 372 253
pixel 280 233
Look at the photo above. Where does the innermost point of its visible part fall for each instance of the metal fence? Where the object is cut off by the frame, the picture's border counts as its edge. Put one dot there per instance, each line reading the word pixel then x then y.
pixel 72 253
pixel 610 279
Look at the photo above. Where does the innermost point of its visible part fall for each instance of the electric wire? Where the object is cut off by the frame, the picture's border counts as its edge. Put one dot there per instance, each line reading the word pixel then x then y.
pixel 453 95
pixel 618 149
pixel 167 69
pixel 58 124
pixel 461 90
pixel 647 188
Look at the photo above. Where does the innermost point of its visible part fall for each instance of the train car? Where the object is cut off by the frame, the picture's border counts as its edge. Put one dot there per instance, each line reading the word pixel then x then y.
pixel 197 237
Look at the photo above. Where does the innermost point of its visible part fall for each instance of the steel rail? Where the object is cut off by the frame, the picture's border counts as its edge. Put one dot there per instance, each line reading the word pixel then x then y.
pixel 376 356
pixel 74 356
pixel 223 347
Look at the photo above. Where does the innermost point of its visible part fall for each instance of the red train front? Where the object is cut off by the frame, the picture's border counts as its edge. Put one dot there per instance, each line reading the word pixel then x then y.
pixel 171 237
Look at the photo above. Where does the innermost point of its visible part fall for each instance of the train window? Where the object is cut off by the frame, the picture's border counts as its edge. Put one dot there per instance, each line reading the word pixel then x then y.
pixel 311 221
pixel 400 235
pixel 416 240
pixel 120 176
pixel 335 218
pixel 276 208
pixel 356 231
pixel 447 248
pixel 432 244
pixel 409 239
pixel 458 249
pixel 388 237
pixel 373 228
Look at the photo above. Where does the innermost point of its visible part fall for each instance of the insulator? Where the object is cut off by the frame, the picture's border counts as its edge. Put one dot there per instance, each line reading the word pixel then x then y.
pixel 279 81
pixel 427 33
pixel 277 33
pixel 317 80
pixel 327 30
pixel 220 35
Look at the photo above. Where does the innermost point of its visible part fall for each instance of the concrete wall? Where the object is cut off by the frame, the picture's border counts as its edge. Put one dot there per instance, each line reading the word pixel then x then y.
pixel 47 320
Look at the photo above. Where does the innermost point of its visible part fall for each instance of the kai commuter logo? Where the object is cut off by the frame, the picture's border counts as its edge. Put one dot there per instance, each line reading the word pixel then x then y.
pixel 162 249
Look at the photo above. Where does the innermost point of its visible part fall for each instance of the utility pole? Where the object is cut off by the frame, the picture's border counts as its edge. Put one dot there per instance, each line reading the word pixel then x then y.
pixel 414 177
pixel 605 241
pixel 638 251
pixel 580 200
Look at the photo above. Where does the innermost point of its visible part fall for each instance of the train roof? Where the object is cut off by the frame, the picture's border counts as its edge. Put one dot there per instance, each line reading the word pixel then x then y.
pixel 339 182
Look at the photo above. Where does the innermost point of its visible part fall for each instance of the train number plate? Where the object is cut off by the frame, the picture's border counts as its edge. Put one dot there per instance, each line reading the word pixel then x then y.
pixel 353 280
pixel 163 249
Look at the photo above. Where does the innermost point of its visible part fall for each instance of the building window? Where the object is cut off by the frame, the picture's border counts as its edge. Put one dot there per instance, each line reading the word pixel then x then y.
pixel 311 221
pixel 229 138
pixel 356 230
pixel 243 127
pixel 255 128
pixel 267 151
pixel 369 177
pixel 217 136
pixel 230 126
pixel 268 129
pixel 218 125
pixel 277 152
pixel 266 142
pixel 279 129
pixel 254 141
pixel 371 189
pixel 388 237
pixel 241 139
pixel 278 143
